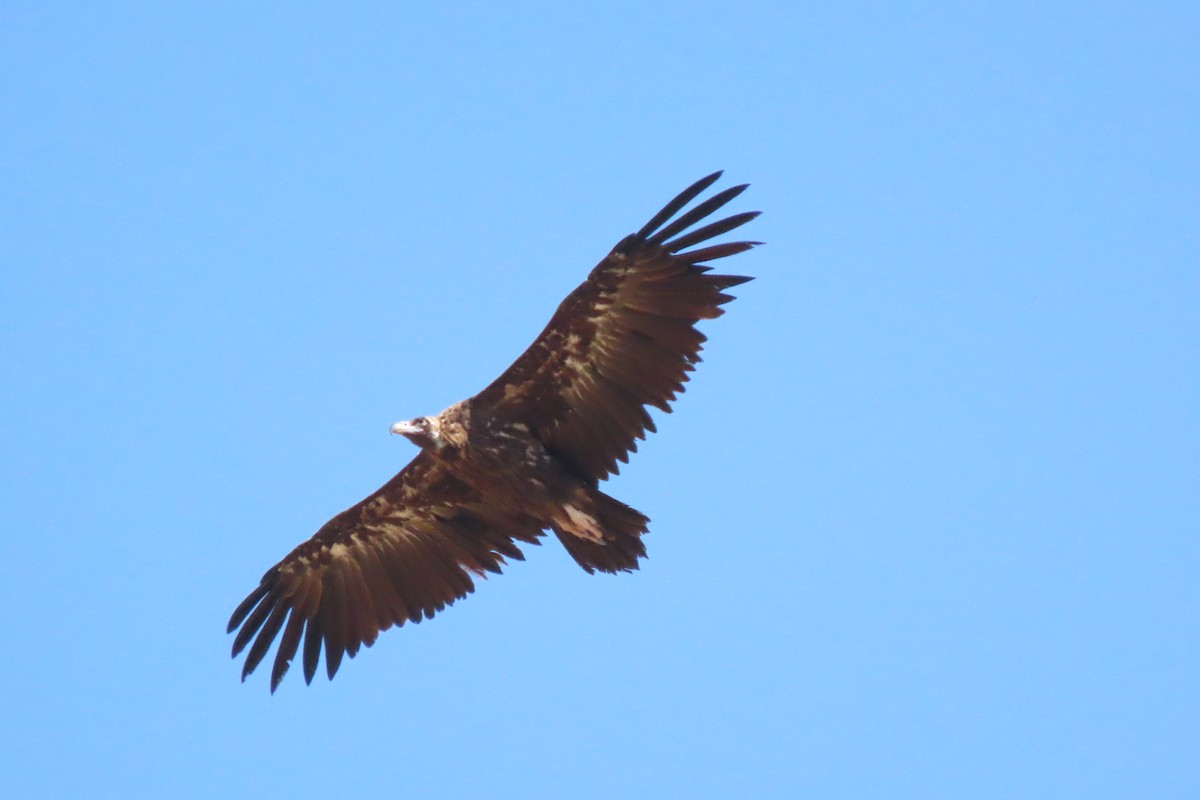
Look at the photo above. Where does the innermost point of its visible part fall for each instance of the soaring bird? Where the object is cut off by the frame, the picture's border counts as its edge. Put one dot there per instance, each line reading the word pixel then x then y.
pixel 525 455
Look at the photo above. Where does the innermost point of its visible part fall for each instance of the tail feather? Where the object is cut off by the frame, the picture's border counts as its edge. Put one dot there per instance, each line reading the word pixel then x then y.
pixel 621 546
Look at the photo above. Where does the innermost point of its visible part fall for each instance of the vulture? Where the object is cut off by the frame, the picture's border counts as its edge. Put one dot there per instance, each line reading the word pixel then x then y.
pixel 523 456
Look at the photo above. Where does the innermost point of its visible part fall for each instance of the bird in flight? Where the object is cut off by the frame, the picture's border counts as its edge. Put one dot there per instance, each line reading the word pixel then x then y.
pixel 525 455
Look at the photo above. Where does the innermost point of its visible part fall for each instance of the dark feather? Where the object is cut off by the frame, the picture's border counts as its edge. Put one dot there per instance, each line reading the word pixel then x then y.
pixel 680 200
pixel 709 231
pixel 696 214
pixel 312 647
pixel 287 648
pixel 239 613
pixel 262 642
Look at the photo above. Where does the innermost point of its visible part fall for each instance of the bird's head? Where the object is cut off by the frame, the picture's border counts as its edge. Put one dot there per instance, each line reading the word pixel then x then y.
pixel 424 432
pixel 443 434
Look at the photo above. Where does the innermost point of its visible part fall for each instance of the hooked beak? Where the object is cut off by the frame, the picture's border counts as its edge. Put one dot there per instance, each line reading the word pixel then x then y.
pixel 404 428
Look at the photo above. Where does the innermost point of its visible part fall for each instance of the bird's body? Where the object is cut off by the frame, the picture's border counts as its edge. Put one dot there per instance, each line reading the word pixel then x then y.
pixel 524 455
pixel 501 459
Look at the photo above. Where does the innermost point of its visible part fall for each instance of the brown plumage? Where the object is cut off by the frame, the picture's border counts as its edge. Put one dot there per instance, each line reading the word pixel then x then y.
pixel 525 454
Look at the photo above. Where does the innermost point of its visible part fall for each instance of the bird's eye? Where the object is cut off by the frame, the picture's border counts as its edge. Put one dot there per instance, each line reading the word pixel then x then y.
pixel 422 422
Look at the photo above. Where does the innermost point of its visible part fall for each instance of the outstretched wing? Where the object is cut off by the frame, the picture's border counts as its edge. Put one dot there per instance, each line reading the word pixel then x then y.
pixel 624 339
pixel 404 553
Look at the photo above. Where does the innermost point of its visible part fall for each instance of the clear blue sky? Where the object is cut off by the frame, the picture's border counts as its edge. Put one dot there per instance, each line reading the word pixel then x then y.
pixel 925 525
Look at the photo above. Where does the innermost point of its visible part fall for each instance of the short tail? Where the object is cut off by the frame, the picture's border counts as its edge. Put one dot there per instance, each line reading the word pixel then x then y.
pixel 619 546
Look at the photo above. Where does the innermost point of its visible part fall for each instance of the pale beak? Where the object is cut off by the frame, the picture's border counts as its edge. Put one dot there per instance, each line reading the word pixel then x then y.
pixel 404 428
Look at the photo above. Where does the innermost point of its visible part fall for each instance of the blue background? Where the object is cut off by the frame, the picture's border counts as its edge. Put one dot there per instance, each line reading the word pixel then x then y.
pixel 924 525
